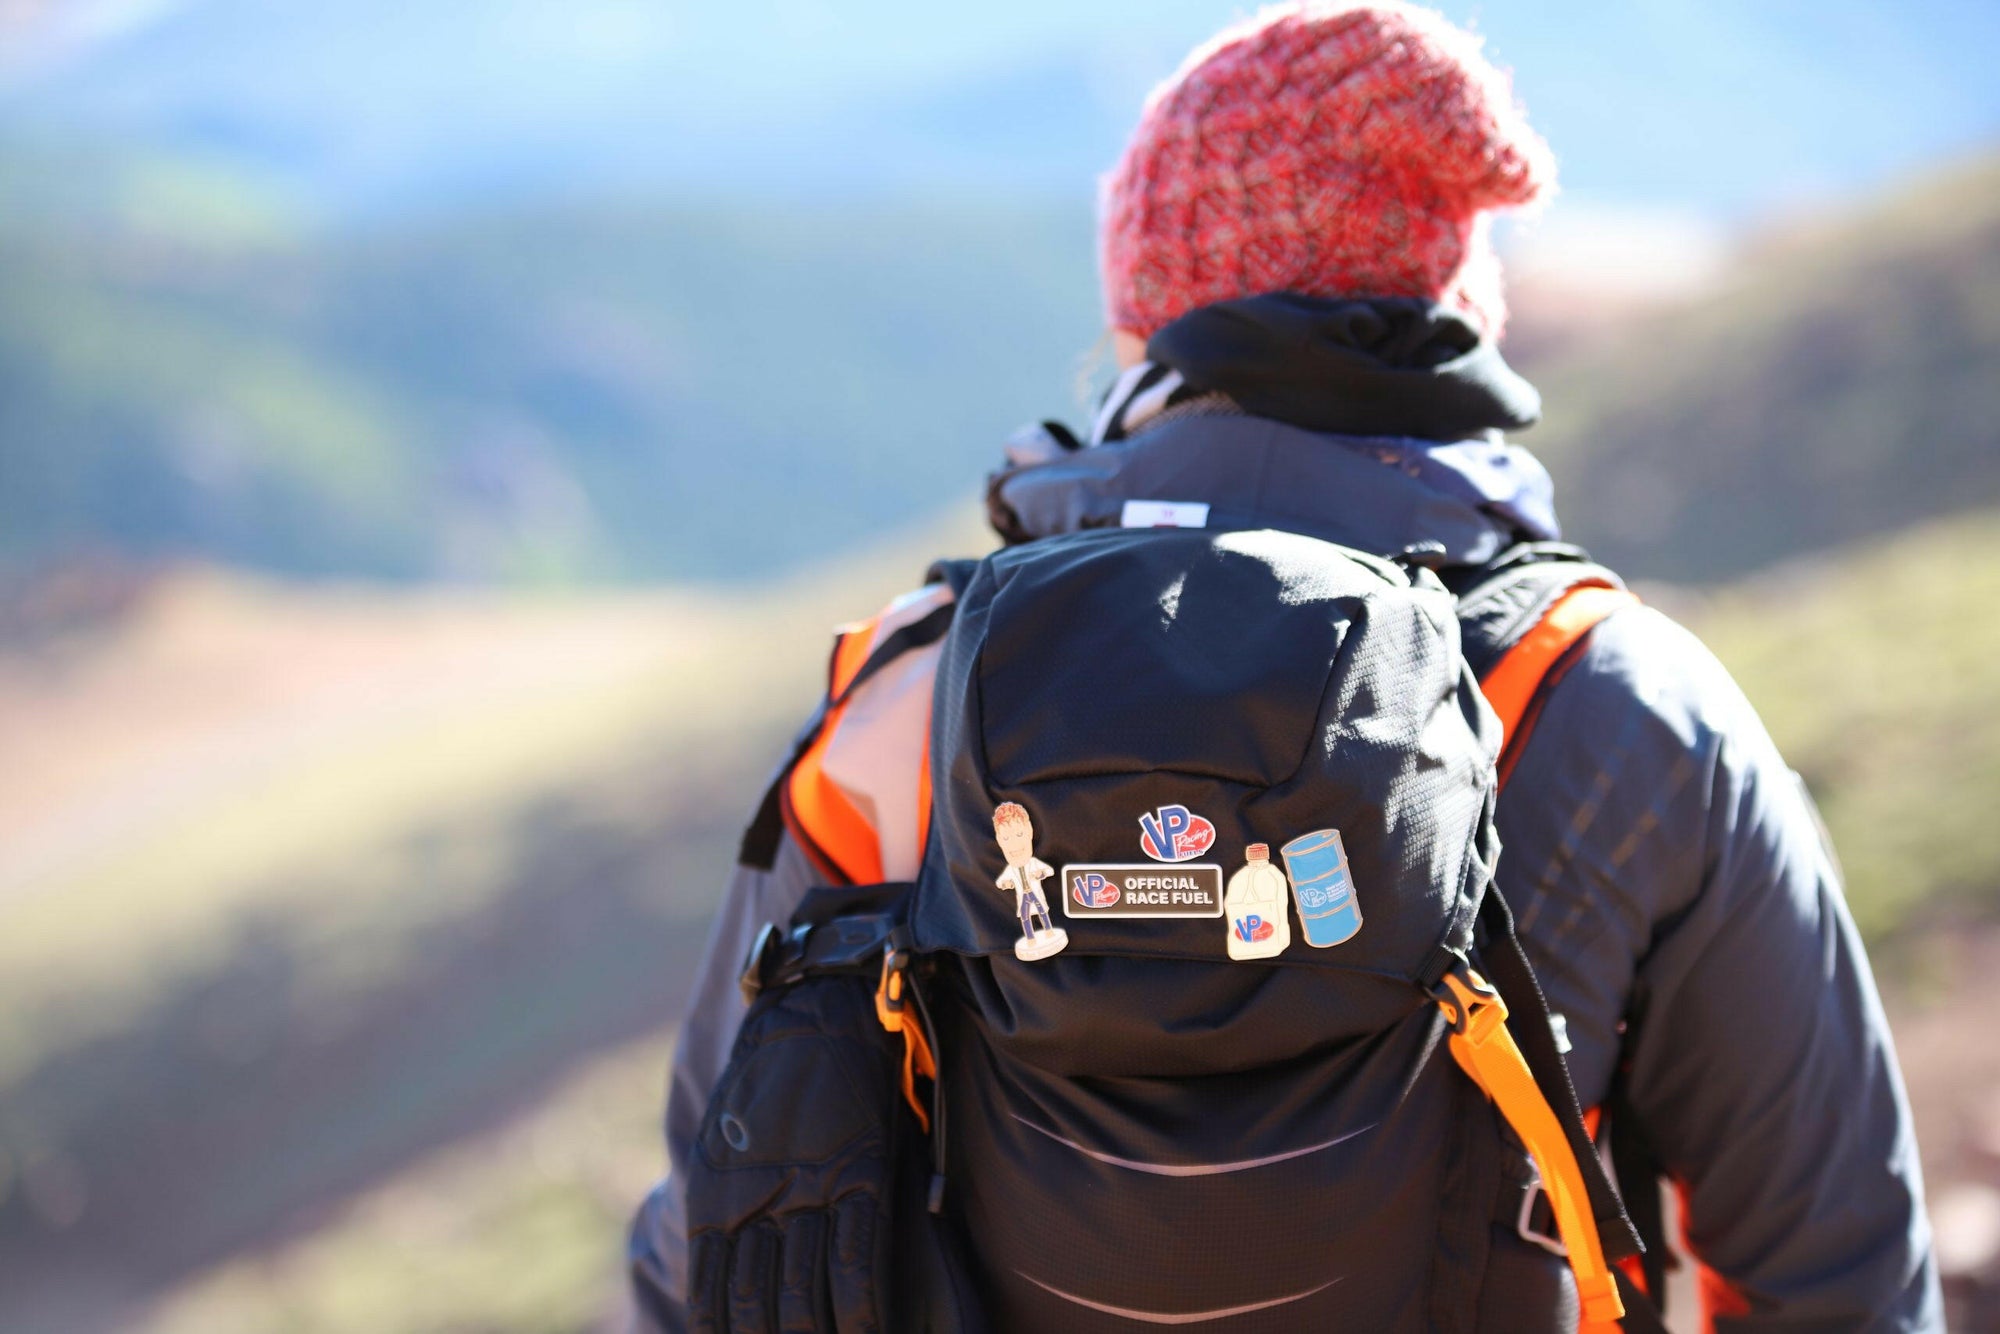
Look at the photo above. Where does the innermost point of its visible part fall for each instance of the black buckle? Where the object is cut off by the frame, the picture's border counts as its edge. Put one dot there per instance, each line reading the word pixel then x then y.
pixel 779 957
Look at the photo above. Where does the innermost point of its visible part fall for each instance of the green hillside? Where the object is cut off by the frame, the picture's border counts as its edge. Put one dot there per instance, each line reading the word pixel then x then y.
pixel 606 390
pixel 133 423
pixel 593 391
pixel 1847 383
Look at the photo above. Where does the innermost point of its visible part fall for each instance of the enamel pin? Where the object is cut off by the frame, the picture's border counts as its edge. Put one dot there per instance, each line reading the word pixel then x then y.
pixel 1015 833
pixel 1175 834
pixel 1141 889
pixel 1323 886
pixel 1260 924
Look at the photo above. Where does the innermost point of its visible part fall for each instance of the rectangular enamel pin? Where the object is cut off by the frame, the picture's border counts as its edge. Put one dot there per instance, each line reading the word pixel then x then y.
pixel 1142 890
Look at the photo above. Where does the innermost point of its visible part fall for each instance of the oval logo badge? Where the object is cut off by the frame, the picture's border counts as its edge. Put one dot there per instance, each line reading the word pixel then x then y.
pixel 1175 834
pixel 1095 890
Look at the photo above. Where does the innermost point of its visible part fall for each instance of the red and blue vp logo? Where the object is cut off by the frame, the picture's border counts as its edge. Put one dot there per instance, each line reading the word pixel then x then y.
pixel 1093 889
pixel 1175 834
pixel 1251 927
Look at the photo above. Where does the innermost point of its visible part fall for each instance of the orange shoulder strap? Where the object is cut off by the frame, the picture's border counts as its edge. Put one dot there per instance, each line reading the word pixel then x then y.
pixel 832 831
pixel 836 827
pixel 1515 683
pixel 1486 1051
pixel 1480 1040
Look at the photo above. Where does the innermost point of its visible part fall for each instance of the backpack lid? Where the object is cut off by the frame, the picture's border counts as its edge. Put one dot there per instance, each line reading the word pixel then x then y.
pixel 1157 700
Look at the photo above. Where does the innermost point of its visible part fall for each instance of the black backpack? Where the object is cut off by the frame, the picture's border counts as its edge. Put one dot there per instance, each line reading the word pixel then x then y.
pixel 1202 949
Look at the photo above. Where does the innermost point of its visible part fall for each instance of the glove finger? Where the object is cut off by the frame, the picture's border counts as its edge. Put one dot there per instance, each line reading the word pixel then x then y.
pixel 753 1282
pixel 803 1303
pixel 708 1284
pixel 852 1273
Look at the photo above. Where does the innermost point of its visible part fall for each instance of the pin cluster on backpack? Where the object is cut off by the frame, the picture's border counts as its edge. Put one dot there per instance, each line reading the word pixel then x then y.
pixel 1254 906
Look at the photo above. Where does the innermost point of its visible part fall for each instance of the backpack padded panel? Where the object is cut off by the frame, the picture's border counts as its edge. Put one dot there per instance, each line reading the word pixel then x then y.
pixel 1272 683
pixel 1320 1196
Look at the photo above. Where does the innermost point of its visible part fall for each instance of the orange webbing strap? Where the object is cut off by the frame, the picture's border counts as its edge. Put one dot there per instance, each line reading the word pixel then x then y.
pixel 892 1007
pixel 830 828
pixel 1486 1051
pixel 1511 683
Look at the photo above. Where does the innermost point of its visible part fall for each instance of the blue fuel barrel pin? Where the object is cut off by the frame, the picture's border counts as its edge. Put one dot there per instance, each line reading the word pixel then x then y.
pixel 1316 864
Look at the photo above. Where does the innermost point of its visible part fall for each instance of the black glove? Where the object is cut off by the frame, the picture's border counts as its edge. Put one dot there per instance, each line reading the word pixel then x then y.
pixel 791 1185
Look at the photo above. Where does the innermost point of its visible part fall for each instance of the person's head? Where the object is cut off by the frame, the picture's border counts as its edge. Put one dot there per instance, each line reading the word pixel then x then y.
pixel 1014 832
pixel 1324 148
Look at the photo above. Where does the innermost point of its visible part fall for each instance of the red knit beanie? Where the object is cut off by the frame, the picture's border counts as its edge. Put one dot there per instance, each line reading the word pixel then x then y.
pixel 1323 148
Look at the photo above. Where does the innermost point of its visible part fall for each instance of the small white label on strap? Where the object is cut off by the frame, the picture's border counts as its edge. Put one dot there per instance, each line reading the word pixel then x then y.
pixel 1165 514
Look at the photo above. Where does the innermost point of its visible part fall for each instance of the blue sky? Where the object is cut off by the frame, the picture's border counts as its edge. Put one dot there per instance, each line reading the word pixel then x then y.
pixel 1726 108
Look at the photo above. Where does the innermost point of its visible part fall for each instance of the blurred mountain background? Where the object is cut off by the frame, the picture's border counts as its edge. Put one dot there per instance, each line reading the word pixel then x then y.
pixel 435 440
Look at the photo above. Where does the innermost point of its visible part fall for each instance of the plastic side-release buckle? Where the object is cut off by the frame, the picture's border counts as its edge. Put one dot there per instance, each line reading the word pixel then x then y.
pixel 1470 1004
pixel 892 1008
pixel 891 1004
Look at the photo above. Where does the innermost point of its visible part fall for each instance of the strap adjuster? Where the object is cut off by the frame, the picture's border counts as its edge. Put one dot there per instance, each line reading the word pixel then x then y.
pixel 1524 1223
pixel 751 980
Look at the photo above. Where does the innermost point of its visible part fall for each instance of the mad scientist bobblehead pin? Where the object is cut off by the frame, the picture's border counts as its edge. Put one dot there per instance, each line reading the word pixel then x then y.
pixel 1324 887
pixel 1015 833
pixel 1260 924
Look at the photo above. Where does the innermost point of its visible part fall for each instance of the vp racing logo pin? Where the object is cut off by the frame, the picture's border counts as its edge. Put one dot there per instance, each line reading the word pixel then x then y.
pixel 1175 834
pixel 1094 889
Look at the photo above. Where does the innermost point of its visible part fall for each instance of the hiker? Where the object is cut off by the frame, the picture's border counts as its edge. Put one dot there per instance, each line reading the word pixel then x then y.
pixel 1292 539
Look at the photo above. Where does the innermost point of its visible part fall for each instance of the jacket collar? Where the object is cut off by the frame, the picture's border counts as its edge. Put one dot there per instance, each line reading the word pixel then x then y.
pixel 1251 472
pixel 1368 366
pixel 1372 422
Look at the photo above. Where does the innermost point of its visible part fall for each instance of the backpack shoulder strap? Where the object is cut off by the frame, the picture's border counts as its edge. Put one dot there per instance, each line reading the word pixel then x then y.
pixel 836 826
pixel 1524 621
pixel 1521 1070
